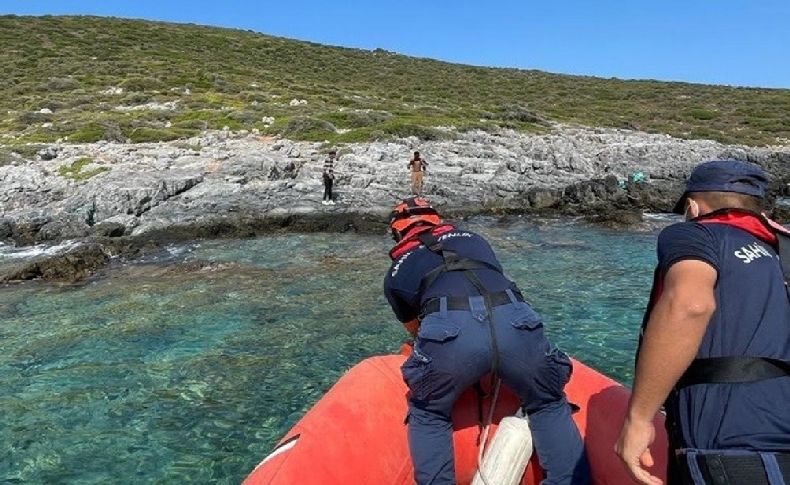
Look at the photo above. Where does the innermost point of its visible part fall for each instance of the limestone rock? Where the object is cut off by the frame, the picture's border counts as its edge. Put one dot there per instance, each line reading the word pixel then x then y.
pixel 239 184
pixel 70 266
pixel 108 229
pixel 48 153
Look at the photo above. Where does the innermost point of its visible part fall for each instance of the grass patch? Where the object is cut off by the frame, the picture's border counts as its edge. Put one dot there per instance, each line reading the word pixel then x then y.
pixel 25 151
pixel 306 128
pixel 189 146
pixel 356 119
pixel 402 129
pixel 90 133
pixel 7 156
pixel 702 114
pixel 151 135
pixel 75 170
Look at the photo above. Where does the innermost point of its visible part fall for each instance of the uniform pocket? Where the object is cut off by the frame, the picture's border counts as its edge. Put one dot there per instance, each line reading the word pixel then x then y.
pixel 438 333
pixel 427 379
pixel 415 371
pixel 438 329
pixel 560 367
pixel 524 317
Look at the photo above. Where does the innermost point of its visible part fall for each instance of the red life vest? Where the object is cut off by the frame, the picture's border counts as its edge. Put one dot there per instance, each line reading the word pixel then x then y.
pixel 758 225
pixel 429 236
pixel 412 239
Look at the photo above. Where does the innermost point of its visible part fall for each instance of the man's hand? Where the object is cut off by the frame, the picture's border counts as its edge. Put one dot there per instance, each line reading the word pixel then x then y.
pixel 632 448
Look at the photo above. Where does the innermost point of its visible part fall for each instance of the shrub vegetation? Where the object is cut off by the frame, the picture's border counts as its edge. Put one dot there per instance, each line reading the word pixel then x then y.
pixel 75 170
pixel 84 68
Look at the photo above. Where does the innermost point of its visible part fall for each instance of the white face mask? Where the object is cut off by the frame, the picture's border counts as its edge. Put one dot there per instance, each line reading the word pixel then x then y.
pixel 692 210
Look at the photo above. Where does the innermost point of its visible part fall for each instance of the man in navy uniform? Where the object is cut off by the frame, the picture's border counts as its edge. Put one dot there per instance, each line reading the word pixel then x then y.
pixel 715 346
pixel 447 287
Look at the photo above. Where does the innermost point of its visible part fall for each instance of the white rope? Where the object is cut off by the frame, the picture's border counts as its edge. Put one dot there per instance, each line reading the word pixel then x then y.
pixel 486 428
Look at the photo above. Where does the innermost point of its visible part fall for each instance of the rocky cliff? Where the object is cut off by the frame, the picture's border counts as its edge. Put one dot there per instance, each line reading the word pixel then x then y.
pixel 237 184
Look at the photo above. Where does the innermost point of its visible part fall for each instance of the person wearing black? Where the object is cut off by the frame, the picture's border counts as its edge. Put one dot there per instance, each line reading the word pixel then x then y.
pixel 329 178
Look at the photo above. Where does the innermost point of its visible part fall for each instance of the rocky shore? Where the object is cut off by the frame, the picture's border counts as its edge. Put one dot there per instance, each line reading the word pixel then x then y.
pixel 123 199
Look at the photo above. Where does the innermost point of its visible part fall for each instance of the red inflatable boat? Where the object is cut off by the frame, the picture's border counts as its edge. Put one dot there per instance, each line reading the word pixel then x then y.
pixel 355 435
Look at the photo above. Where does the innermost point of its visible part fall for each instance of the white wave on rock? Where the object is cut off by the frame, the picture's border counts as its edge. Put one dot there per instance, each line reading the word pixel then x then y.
pixel 9 252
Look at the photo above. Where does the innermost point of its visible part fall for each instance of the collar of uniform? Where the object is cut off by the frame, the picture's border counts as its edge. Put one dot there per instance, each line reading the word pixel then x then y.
pixel 411 241
pixel 758 225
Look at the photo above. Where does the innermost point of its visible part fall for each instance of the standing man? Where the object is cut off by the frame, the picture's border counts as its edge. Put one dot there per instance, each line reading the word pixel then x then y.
pixel 715 347
pixel 447 288
pixel 329 178
pixel 417 164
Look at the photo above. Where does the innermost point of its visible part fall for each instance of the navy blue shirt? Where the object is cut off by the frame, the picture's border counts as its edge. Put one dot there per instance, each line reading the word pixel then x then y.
pixel 402 282
pixel 752 318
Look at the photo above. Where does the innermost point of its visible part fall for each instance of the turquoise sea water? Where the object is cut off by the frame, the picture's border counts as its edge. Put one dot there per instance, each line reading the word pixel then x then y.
pixel 189 367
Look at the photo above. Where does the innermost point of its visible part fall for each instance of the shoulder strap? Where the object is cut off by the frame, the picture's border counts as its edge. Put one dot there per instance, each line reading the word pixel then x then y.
pixel 454 263
pixel 451 262
pixel 783 248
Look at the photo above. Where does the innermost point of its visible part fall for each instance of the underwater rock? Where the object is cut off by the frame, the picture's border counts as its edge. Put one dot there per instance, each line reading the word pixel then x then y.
pixel 617 218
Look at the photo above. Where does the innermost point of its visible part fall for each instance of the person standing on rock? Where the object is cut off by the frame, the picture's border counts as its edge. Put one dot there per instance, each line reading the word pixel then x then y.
pixel 417 164
pixel 329 178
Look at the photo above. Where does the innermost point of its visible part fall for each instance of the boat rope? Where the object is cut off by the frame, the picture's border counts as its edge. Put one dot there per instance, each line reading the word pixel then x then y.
pixel 486 428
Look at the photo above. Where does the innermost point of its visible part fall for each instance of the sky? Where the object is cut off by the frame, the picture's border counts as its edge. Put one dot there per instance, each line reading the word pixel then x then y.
pixel 733 42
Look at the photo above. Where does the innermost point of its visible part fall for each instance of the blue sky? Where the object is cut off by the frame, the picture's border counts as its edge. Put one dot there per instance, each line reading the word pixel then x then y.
pixel 737 42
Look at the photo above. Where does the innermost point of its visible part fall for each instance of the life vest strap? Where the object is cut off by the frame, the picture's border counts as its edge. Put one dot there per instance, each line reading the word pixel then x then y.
pixel 733 370
pixel 466 265
pixel 457 265
pixel 724 467
pixel 783 248
pixel 451 262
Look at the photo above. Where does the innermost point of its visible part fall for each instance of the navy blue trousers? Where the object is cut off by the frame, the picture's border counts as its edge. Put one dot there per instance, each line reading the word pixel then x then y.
pixel 453 351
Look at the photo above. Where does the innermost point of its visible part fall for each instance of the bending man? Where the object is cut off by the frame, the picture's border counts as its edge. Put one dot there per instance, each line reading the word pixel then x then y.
pixel 448 289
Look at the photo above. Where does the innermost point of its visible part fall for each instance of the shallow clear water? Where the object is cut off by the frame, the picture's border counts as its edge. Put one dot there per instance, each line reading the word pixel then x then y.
pixel 189 368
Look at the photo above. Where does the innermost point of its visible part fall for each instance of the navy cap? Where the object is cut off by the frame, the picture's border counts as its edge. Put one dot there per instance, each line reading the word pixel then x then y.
pixel 725 176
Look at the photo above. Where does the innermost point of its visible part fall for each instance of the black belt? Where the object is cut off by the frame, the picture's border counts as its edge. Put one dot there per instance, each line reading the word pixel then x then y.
pixel 462 302
pixel 727 469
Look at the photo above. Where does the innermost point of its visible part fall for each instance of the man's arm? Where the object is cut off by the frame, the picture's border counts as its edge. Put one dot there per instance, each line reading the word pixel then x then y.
pixel 403 309
pixel 670 343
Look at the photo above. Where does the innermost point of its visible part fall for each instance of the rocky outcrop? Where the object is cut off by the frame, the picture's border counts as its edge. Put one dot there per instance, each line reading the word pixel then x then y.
pixel 224 180
pixel 70 266
pixel 224 184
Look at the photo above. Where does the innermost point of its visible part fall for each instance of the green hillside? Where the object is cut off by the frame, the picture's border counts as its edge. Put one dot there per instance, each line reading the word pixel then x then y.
pixel 214 77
